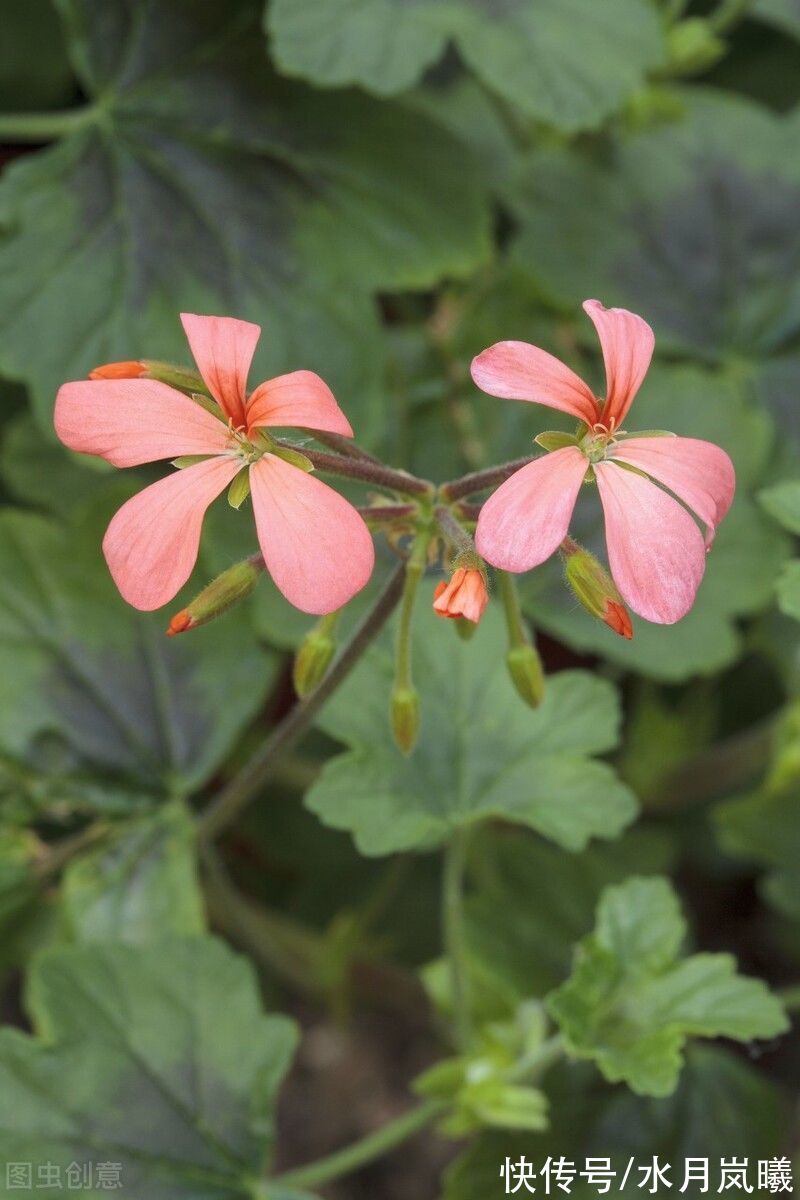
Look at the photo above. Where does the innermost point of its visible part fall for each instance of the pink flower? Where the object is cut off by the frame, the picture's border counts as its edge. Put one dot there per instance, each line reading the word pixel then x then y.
pixel 656 550
pixel 315 544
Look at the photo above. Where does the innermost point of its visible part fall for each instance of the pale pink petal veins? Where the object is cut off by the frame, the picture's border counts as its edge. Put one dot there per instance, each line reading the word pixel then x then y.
pixel 133 421
pixel 699 473
pixel 527 518
pixel 519 371
pixel 627 343
pixel 655 549
pixel 223 349
pixel 152 542
pixel 300 398
pixel 315 544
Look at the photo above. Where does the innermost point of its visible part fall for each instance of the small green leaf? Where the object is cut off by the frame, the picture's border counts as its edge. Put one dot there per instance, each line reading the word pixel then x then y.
pixel 140 887
pixel 723 1108
pixel 782 501
pixel 159 1057
pixel 480 754
pixel 239 489
pixel 631 1003
pixel 764 828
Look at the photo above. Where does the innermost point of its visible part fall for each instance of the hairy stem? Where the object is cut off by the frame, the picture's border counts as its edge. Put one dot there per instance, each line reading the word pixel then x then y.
pixel 249 780
pixel 414 570
pixel 452 529
pixel 454 931
pixel 374 1145
pixel 343 445
pixel 478 481
pixel 365 470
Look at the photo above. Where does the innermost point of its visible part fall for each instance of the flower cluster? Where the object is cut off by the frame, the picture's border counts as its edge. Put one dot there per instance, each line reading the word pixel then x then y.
pixel 654 487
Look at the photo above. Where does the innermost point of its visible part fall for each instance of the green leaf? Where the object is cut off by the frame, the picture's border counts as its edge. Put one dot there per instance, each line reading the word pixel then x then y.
pixel 17 876
pixel 481 752
pixel 789 589
pixel 44 473
pixel 692 224
pixel 764 828
pixel 747 555
pixel 785 14
pixel 35 73
pixel 140 887
pixel 159 1060
pixel 722 1108
pixel 782 501
pixel 631 1003
pixel 200 181
pixel 567 62
pixel 88 683
pixel 532 904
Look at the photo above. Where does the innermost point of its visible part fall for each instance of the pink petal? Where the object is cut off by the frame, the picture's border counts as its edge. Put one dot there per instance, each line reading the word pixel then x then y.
pixel 519 371
pixel 699 473
pixel 298 399
pixel 316 546
pixel 627 343
pixel 223 349
pixel 151 544
pixel 527 518
pixel 133 421
pixel 655 549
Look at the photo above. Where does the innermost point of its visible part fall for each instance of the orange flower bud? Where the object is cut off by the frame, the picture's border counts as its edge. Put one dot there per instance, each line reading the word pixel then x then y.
pixel 179 623
pixel 119 370
pixel 594 588
pixel 221 594
pixel 466 595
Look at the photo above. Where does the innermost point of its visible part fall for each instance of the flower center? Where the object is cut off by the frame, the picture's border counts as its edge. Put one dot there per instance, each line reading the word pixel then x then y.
pixel 598 438
pixel 249 448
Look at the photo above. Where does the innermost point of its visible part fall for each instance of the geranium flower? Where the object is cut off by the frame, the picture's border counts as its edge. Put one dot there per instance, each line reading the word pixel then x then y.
pixel 464 596
pixel 656 551
pixel 315 544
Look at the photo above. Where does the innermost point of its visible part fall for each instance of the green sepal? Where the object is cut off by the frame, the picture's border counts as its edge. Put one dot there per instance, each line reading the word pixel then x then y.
pixel 645 433
pixel 177 377
pixel 209 405
pixel 190 460
pixel 239 490
pixel 295 457
pixel 555 439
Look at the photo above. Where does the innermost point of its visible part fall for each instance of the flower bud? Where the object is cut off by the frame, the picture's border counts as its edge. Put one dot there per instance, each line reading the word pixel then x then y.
pixel 119 370
pixel 313 659
pixel 145 368
pixel 466 594
pixel 527 675
pixel 594 588
pixel 693 46
pixel 222 593
pixel 404 712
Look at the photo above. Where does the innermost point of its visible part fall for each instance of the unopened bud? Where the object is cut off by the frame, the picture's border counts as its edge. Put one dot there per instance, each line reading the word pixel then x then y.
pixel 222 593
pixel 119 370
pixel 145 368
pixel 692 46
pixel 404 711
pixel 594 588
pixel 527 674
pixel 312 660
